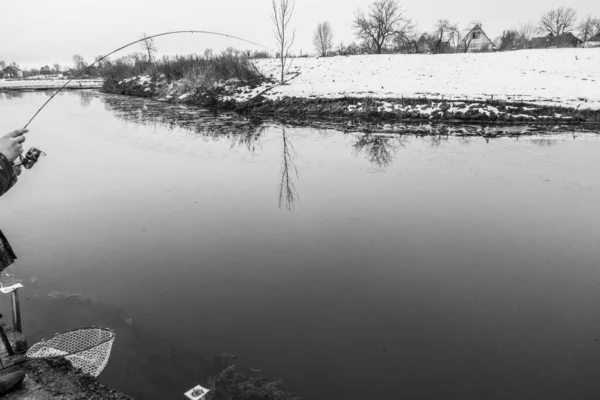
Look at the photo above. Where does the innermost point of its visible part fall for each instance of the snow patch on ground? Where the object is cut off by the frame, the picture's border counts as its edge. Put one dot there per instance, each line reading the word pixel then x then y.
pixel 552 77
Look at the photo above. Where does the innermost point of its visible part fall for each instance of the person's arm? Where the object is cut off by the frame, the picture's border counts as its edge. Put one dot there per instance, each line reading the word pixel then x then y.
pixel 11 147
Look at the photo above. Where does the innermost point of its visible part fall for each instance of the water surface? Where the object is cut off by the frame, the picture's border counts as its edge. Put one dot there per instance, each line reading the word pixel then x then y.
pixel 349 265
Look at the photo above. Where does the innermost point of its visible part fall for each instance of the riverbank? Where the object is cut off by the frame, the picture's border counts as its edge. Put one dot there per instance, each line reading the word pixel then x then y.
pixel 549 87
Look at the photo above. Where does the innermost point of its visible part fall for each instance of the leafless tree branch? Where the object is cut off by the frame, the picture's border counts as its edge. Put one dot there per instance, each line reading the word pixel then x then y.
pixel 385 20
pixel 558 21
pixel 323 39
pixel 588 27
pixel 281 15
pixel 149 47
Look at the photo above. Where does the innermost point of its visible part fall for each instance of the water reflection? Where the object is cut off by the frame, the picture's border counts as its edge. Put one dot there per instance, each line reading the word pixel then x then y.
pixel 379 149
pixel 248 140
pixel 193 119
pixel 437 140
pixel 379 144
pixel 11 94
pixel 86 97
pixel 543 142
pixel 288 195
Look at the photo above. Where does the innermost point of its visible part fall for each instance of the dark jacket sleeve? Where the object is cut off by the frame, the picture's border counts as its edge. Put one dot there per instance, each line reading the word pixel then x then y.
pixel 8 177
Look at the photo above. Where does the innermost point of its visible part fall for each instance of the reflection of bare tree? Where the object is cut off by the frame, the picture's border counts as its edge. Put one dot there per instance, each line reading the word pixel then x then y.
pixel 436 140
pixel 543 142
pixel 242 132
pixel 287 190
pixel 12 94
pixel 379 149
pixel 248 139
pixel 85 97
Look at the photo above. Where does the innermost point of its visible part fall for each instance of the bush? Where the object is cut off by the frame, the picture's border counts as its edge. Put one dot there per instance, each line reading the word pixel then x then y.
pixel 190 71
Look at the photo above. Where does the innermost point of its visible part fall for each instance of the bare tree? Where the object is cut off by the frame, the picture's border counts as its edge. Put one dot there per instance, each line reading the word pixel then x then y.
pixel 558 21
pixel 281 15
pixel 149 47
pixel 454 35
pixel 323 39
pixel 2 64
pixel 526 30
pixel 385 20
pixel 102 62
pixel 508 40
pixel 406 43
pixel 56 68
pixel 79 62
pixel 588 27
pixel 444 32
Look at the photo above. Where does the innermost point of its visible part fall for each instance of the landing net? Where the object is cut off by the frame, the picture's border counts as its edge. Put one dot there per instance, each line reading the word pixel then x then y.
pixel 86 348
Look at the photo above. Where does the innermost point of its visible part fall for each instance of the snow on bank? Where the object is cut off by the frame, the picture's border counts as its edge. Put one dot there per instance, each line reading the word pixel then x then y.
pixel 553 77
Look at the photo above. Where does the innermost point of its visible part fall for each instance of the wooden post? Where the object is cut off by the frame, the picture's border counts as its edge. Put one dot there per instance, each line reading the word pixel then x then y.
pixel 5 341
pixel 16 311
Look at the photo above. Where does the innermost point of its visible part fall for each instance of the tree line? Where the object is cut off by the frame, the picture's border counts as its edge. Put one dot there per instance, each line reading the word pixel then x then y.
pixel 385 27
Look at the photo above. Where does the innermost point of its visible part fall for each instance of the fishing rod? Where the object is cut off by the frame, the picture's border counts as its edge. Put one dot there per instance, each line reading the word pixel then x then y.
pixel 131 44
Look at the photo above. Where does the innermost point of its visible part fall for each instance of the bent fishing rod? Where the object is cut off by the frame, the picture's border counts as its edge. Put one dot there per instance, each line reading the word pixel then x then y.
pixel 131 44
pixel 34 154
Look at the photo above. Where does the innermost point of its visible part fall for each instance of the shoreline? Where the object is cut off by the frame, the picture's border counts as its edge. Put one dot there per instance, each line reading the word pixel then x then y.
pixel 371 110
pixel 48 84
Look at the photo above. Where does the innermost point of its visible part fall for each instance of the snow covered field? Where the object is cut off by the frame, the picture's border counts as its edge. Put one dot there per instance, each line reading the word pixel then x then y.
pixel 553 77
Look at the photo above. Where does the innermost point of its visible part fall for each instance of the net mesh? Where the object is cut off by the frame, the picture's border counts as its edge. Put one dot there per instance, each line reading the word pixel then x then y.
pixel 87 349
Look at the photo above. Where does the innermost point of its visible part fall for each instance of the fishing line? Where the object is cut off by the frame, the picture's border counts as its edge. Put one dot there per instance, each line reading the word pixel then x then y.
pixel 131 44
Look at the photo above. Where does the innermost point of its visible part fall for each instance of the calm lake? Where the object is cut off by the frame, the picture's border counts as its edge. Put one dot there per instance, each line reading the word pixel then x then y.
pixel 350 266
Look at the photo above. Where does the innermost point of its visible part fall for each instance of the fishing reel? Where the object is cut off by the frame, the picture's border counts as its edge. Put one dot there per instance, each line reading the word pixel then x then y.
pixel 31 157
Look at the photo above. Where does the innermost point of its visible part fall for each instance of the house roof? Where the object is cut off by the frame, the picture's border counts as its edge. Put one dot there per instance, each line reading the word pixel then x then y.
pixel 476 27
pixel 568 35
pixel 11 68
pixel 595 38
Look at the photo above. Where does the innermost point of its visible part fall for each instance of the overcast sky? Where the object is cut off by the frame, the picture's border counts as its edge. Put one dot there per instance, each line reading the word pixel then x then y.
pixel 38 32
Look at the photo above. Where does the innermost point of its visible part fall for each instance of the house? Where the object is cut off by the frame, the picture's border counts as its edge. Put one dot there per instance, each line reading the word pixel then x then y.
pixel 475 41
pixel 593 41
pixel 567 39
pixel 563 40
pixel 541 42
pixel 12 72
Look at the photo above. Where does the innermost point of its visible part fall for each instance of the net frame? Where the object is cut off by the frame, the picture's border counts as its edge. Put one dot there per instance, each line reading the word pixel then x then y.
pixel 90 358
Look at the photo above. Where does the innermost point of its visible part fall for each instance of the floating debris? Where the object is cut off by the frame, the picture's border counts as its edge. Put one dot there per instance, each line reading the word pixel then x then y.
pixel 196 393
pixel 59 295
